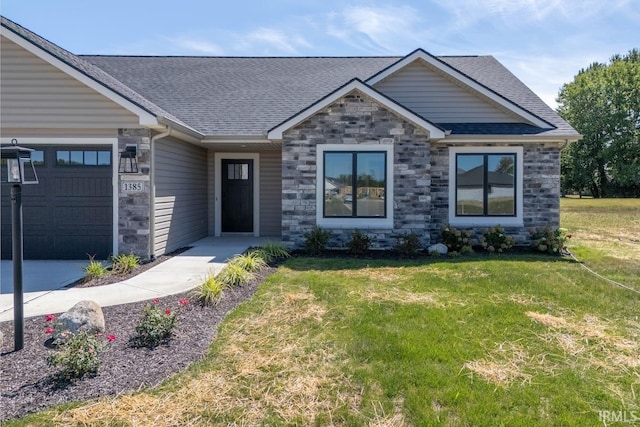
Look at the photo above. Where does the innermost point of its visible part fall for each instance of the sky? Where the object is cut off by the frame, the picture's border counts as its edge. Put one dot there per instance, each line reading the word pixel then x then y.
pixel 543 42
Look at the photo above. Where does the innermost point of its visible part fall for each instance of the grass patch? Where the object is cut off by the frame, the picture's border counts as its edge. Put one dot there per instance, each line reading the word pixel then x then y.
pixel 483 341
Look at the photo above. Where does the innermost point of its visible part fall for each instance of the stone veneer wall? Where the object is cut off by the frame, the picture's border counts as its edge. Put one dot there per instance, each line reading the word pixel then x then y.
pixel 356 119
pixel 541 193
pixel 134 207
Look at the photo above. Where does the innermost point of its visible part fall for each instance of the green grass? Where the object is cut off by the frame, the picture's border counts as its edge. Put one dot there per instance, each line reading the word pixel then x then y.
pixel 507 340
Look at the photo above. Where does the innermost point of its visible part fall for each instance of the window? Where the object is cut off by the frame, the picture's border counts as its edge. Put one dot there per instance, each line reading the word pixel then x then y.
pixel 354 185
pixel 83 158
pixel 37 158
pixel 486 185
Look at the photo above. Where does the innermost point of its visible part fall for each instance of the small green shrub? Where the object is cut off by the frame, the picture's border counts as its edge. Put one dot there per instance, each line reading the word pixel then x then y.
pixel 234 275
pixel 550 241
pixel 79 355
pixel 95 269
pixel 155 327
pixel 272 251
pixel 251 261
pixel 359 243
pixel 210 291
pixel 456 241
pixel 316 240
pixel 124 263
pixel 408 244
pixel 494 239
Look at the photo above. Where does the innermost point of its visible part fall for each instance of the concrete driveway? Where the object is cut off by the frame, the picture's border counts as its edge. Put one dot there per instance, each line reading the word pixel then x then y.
pixel 40 276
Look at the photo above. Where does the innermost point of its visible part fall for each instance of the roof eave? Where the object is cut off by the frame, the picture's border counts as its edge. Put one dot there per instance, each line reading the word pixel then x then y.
pixel 500 139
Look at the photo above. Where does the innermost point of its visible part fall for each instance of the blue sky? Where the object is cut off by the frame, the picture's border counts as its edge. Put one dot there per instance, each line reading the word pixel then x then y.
pixel 543 42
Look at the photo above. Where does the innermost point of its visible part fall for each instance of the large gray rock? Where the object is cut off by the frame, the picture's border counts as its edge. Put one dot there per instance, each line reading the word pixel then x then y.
pixel 439 248
pixel 1 339
pixel 84 316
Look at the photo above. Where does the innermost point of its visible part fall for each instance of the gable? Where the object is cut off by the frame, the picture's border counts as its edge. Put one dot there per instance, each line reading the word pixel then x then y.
pixel 35 94
pixel 435 132
pixel 437 97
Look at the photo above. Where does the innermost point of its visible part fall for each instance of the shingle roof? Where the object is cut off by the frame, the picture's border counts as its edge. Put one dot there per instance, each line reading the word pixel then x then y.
pixel 249 95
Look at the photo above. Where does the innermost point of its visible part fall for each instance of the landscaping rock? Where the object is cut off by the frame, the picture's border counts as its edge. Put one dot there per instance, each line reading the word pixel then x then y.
pixel 439 248
pixel 84 316
pixel 1 339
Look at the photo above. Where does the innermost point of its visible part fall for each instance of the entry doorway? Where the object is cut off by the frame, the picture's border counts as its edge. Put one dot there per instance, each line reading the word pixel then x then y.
pixel 237 193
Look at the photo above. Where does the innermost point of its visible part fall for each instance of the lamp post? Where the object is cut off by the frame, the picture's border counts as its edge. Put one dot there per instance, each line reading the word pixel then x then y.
pixel 18 160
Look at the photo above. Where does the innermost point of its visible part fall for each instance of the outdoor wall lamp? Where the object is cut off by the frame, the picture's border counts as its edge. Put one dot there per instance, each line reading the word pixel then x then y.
pixel 128 162
pixel 18 160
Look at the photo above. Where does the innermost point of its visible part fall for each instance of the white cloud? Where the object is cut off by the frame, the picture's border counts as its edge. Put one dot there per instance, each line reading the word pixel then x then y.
pixel 386 29
pixel 272 40
pixel 196 46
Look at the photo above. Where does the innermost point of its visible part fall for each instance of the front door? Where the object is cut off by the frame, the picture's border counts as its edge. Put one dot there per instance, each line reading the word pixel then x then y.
pixel 237 196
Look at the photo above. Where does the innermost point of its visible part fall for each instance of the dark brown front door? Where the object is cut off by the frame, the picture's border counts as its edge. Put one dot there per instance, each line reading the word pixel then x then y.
pixel 237 195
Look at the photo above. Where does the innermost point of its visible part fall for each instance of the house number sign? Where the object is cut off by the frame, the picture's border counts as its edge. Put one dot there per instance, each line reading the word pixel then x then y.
pixel 132 186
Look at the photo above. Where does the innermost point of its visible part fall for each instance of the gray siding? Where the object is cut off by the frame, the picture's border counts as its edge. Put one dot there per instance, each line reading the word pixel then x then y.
pixel 181 195
pixel 435 97
pixel 271 193
pixel 35 94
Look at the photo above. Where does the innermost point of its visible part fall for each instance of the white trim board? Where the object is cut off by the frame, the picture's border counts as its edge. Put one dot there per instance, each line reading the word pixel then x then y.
pixel 218 189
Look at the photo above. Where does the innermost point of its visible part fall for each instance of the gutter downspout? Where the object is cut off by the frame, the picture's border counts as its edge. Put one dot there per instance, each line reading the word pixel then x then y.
pixel 152 189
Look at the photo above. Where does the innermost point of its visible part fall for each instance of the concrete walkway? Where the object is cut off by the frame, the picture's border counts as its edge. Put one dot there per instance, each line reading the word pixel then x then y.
pixel 178 274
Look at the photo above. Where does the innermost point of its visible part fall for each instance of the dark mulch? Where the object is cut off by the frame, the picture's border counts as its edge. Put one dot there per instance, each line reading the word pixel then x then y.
pixel 28 385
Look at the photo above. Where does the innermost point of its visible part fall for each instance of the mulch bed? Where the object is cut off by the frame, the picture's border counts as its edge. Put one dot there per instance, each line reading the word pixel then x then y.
pixel 28 385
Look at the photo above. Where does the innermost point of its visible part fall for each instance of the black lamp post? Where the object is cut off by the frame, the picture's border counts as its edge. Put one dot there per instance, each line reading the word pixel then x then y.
pixel 18 160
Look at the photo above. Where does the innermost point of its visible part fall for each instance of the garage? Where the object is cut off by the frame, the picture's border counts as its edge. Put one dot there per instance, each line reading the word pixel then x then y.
pixel 69 214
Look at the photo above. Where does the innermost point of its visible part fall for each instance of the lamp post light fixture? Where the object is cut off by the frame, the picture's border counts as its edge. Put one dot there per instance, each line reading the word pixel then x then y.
pixel 20 170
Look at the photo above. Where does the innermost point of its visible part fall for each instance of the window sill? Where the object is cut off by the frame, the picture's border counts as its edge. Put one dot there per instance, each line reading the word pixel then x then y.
pixel 480 221
pixel 360 223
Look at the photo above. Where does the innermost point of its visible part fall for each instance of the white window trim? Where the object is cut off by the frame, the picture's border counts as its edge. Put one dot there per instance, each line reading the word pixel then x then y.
pixel 361 223
pixel 218 189
pixel 471 221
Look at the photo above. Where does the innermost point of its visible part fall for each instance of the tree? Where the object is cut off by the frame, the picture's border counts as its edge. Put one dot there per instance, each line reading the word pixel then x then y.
pixel 603 104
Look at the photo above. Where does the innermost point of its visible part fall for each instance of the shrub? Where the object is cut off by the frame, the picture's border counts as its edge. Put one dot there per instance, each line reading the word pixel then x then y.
pixel 495 240
pixel 316 240
pixel 456 241
pixel 251 261
pixel 234 275
pixel 359 243
pixel 156 325
pixel 408 244
pixel 550 241
pixel 210 291
pixel 124 264
pixel 272 251
pixel 95 269
pixel 78 356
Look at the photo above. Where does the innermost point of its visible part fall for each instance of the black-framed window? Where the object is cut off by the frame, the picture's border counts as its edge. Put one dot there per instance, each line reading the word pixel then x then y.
pixel 486 184
pixel 354 184
pixel 83 158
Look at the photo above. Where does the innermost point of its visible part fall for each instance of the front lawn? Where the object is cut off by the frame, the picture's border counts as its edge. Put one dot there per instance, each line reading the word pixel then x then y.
pixel 476 340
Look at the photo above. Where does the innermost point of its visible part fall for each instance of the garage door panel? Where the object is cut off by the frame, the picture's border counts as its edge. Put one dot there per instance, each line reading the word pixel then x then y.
pixel 68 215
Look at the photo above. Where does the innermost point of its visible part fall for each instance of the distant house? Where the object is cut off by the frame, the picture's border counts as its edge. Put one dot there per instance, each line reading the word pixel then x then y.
pixel 271 147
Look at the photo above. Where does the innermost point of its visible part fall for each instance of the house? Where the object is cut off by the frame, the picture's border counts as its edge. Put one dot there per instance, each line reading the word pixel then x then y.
pixel 271 147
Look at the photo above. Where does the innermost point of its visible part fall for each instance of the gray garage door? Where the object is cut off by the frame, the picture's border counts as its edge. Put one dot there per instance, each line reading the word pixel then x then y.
pixel 69 214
